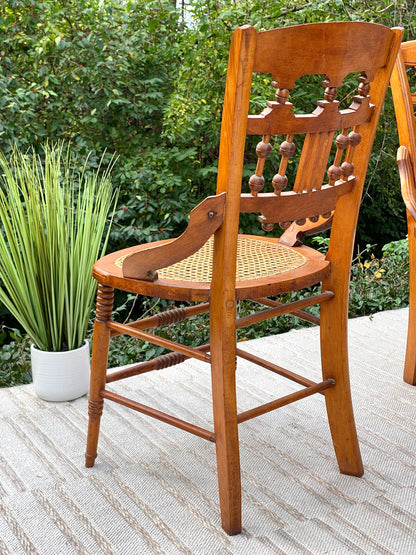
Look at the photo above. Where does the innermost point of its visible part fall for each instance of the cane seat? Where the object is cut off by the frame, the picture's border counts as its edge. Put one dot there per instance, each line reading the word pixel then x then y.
pixel 273 264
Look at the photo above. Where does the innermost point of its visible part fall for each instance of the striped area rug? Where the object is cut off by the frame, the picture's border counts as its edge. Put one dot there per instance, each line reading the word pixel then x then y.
pixel 154 490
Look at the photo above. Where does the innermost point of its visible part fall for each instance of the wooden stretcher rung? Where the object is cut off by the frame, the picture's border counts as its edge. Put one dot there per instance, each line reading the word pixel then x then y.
pixel 286 400
pixel 275 368
pixel 298 313
pixel 160 341
pixel 154 413
pixel 165 318
pixel 158 363
pixel 283 309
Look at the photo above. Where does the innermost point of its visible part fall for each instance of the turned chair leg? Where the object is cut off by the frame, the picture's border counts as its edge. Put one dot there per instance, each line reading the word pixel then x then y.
pixel 334 356
pixel 99 360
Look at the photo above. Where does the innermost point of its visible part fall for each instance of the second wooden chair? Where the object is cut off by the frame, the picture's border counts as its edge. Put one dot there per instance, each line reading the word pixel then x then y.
pixel 404 102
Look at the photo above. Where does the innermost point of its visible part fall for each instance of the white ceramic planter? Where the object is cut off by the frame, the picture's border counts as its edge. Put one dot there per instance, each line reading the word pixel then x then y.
pixel 61 376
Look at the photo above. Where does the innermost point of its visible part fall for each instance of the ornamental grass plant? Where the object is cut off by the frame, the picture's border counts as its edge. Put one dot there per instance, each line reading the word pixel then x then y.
pixel 54 224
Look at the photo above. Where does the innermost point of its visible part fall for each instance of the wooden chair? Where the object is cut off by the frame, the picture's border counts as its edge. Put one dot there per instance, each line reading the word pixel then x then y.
pixel 214 267
pixel 404 101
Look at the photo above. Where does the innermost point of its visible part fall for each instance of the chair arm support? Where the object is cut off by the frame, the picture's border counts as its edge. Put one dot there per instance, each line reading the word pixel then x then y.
pixel 293 236
pixel 204 220
pixel 407 180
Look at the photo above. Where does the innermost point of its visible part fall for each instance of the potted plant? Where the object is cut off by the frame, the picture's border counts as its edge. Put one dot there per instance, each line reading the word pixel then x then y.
pixel 53 227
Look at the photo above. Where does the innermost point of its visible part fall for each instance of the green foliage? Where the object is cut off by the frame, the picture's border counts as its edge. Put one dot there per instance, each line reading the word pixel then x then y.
pixel 14 358
pixel 133 78
pixel 52 220
pixel 68 69
pixel 99 74
pixel 380 284
pixel 128 350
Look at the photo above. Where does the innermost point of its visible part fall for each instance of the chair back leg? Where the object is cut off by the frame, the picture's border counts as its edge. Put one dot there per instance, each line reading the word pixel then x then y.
pixel 409 375
pixel 334 358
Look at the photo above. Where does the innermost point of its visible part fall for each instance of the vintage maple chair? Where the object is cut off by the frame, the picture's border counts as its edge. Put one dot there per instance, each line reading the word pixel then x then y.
pixel 404 101
pixel 212 265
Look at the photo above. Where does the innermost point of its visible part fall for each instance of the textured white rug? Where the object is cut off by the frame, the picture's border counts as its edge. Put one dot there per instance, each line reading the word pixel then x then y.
pixel 154 488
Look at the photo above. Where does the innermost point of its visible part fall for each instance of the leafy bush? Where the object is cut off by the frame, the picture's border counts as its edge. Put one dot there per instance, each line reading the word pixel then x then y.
pixel 380 284
pixel 14 358
pixel 68 69
pixel 98 73
pixel 133 78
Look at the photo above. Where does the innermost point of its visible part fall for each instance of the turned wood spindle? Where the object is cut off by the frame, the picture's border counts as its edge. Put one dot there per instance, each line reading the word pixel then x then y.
pixel 104 304
pixel 330 94
pixel 364 86
pixel 104 307
pixel 263 150
pixel 287 149
pixel 342 142
pixel 302 221
pixel 354 139
pixel 265 225
pixel 281 95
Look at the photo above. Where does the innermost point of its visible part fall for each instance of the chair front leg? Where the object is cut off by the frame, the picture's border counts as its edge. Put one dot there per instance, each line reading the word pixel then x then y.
pixel 223 367
pixel 100 346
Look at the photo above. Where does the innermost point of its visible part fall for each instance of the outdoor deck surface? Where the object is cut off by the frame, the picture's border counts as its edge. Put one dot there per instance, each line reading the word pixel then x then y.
pixel 154 488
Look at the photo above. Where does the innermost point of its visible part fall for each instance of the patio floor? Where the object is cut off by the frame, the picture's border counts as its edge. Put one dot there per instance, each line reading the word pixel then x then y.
pixel 154 490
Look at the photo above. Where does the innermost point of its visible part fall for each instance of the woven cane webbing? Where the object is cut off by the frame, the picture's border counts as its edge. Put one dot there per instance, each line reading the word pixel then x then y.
pixel 255 259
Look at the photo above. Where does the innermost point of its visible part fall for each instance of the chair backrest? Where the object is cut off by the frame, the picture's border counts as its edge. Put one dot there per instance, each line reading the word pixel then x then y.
pixel 334 144
pixel 404 103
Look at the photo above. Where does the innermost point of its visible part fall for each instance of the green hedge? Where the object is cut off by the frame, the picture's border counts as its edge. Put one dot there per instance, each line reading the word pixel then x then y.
pixel 133 78
pixel 99 74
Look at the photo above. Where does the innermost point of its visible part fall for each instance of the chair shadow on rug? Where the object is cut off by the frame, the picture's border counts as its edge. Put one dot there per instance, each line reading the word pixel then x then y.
pixel 404 102
pixel 315 164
